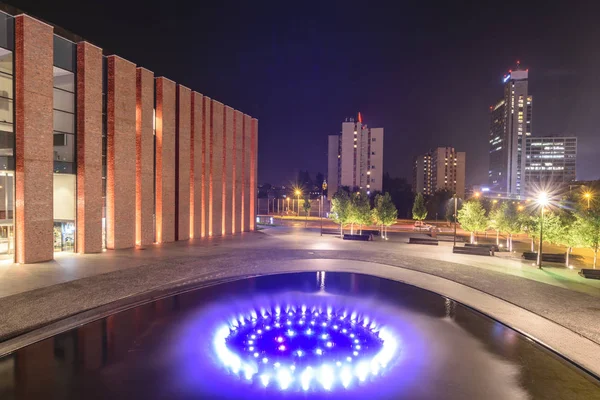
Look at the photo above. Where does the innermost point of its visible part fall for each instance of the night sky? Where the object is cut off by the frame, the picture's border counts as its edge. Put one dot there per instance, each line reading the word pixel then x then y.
pixel 425 72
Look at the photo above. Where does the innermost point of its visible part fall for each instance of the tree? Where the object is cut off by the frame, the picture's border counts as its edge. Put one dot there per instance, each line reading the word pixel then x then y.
pixel 553 229
pixel 306 205
pixel 401 193
pixel 472 217
pixel 438 202
pixel 340 208
pixel 587 229
pixel 384 212
pixel 511 223
pixel 360 210
pixel 419 211
pixel 496 217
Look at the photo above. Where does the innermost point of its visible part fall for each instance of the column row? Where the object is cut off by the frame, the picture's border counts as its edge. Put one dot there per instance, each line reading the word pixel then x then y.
pixel 178 164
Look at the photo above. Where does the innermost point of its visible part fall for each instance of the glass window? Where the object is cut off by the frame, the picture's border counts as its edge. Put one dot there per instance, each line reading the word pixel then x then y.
pixel 64 80
pixel 65 55
pixel 64 122
pixel 63 101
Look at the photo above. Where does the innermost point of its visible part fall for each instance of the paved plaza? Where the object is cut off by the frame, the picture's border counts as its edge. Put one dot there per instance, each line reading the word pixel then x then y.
pixel 34 295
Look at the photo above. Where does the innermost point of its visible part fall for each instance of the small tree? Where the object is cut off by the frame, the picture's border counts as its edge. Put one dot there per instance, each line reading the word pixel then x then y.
pixel 553 229
pixel 496 217
pixel 419 211
pixel 360 210
pixel 340 208
pixel 472 217
pixel 306 205
pixel 587 230
pixel 384 213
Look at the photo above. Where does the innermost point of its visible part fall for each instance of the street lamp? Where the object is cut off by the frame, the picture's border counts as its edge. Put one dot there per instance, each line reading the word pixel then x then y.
pixel 297 192
pixel 455 216
pixel 477 194
pixel 588 197
pixel 543 201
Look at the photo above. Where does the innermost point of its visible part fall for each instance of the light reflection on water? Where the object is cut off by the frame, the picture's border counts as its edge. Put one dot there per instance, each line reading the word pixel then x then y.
pixel 165 349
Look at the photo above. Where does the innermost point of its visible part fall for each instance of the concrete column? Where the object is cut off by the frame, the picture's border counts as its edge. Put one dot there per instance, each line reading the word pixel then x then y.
pixel 215 198
pixel 120 150
pixel 89 148
pixel 165 160
pixel 237 170
pixel 206 121
pixel 182 163
pixel 197 168
pixel 144 158
pixel 253 172
pixel 246 147
pixel 228 171
pixel 34 140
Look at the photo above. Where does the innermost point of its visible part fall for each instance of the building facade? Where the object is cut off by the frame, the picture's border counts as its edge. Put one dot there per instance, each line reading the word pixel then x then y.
pixel 549 161
pixel 96 152
pixel 441 168
pixel 510 123
pixel 422 182
pixel 355 157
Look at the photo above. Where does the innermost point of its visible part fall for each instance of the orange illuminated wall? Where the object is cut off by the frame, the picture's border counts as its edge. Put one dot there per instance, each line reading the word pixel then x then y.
pixel 253 172
pixel 33 135
pixel 89 148
pixel 196 167
pixel 144 160
pixel 165 160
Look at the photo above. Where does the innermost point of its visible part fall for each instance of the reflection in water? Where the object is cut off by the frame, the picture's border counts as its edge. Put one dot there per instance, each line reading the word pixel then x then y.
pixel 164 349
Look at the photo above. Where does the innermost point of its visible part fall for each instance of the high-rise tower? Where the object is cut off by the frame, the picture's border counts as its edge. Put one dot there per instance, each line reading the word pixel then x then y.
pixel 510 124
pixel 355 157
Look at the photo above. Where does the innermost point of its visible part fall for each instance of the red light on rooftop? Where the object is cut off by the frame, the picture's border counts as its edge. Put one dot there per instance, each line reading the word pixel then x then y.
pixel 510 70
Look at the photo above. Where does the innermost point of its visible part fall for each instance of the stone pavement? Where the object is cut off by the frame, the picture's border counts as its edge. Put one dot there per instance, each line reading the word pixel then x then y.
pixel 36 295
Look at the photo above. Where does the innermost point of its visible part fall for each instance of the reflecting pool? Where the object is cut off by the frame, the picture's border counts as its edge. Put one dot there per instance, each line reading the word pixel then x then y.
pixel 302 335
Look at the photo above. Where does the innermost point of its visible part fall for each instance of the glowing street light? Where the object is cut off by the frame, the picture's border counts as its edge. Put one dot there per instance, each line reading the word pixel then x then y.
pixel 543 201
pixel 477 194
pixel 298 192
pixel 588 197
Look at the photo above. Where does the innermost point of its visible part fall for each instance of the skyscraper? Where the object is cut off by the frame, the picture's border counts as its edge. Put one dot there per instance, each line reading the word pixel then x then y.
pixel 549 161
pixel 355 157
pixel 510 122
pixel 441 168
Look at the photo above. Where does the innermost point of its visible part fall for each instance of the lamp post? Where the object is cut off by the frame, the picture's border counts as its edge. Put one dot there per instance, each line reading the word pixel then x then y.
pixel 542 200
pixel 588 196
pixel 298 193
pixel 288 208
pixel 455 216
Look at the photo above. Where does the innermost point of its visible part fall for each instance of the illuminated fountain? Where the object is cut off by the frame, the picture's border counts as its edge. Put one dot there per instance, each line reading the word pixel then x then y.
pixel 300 348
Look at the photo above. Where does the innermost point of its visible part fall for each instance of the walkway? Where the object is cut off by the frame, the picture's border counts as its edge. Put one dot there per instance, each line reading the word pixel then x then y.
pixel 35 295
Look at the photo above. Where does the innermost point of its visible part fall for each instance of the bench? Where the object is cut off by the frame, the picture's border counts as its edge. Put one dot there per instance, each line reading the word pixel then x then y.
pixel 450 238
pixel 364 238
pixel 590 273
pixel 431 242
pixel 493 247
pixel 476 251
pixel 548 257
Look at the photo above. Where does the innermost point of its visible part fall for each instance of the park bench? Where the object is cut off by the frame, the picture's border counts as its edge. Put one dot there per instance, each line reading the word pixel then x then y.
pixel 476 251
pixel 590 273
pixel 431 242
pixel 450 238
pixel 492 246
pixel 364 238
pixel 548 257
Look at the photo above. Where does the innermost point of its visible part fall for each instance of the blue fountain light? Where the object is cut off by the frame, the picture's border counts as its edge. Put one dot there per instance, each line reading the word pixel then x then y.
pixel 304 349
